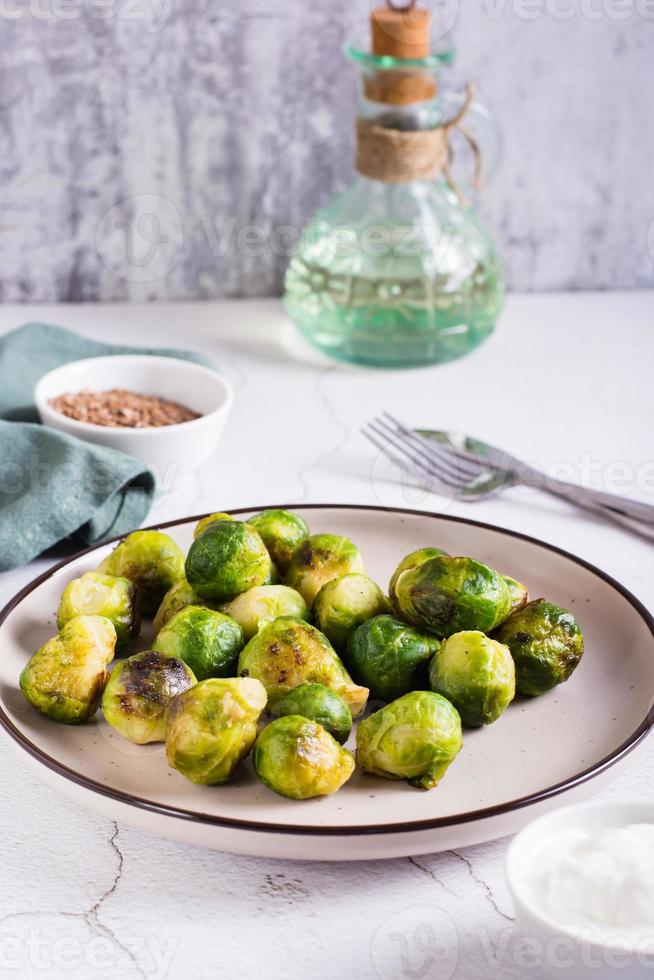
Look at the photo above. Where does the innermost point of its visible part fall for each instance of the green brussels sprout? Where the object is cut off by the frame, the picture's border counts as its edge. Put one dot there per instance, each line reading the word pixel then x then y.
pixel 139 691
pixel 298 758
pixel 414 738
pixel 519 593
pixel 289 652
pixel 202 525
pixel 320 704
pixel 273 577
pixel 412 560
pixel 263 604
pixel 211 727
pixel 65 678
pixel 476 674
pixel 111 596
pixel 176 598
pixel 318 560
pixel 446 595
pixel 546 644
pixel 149 559
pixel 345 603
pixel 282 532
pixel 389 657
pixel 228 558
pixel 209 642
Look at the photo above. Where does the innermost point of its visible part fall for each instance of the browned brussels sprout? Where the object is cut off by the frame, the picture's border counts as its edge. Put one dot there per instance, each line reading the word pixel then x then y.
pixel 318 560
pixel 93 594
pixel 139 691
pixel 211 727
pixel 299 759
pixel 546 644
pixel 282 532
pixel 289 652
pixel 65 678
pixel 446 595
pixel 149 559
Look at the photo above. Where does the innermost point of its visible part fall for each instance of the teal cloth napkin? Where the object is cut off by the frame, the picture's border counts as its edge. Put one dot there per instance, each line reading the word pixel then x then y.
pixel 55 490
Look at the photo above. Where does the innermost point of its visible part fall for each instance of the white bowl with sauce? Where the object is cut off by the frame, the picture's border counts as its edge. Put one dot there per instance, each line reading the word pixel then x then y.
pixel 584 902
pixel 168 450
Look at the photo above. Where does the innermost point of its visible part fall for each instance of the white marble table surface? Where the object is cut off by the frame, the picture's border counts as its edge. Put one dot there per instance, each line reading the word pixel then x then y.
pixel 566 383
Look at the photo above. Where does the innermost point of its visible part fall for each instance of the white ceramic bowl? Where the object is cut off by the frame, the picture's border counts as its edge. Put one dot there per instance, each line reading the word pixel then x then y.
pixel 564 951
pixel 168 450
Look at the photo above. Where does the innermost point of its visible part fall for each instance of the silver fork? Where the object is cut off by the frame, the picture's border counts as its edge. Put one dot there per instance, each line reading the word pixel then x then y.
pixel 471 470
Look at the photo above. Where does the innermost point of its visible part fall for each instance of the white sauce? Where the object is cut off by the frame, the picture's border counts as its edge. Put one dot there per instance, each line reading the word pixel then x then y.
pixel 600 883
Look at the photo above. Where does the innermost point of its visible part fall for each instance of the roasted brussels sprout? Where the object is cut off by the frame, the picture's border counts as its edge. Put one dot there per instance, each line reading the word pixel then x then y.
pixel 211 727
pixel 389 657
pixel 320 704
pixel 476 674
pixel 298 758
pixel 289 652
pixel 202 525
pixel 93 594
pixel 228 558
pixel 345 603
pixel 263 604
pixel 176 598
pixel 518 591
pixel 282 531
pixel 546 644
pixel 318 560
pixel 65 678
pixel 414 738
pixel 209 642
pixel 139 691
pixel 149 559
pixel 446 595
pixel 412 560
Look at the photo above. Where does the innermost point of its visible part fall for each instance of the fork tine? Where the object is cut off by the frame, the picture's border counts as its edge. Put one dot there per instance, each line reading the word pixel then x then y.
pixel 464 466
pixel 446 447
pixel 443 466
pixel 415 471
pixel 468 469
pixel 408 453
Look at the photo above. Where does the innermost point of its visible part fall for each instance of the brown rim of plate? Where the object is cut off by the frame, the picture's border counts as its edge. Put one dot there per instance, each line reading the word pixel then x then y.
pixel 128 799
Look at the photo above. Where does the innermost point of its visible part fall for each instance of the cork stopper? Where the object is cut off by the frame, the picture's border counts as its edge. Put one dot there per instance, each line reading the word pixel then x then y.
pixel 401 32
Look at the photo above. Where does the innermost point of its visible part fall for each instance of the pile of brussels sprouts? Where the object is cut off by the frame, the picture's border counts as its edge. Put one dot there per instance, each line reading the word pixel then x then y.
pixel 262 616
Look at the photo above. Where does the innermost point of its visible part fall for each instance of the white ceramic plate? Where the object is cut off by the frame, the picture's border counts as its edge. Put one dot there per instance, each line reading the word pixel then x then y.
pixel 542 752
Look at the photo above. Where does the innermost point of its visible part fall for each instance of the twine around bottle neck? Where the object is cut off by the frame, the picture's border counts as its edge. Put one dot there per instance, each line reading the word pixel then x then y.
pixel 398 156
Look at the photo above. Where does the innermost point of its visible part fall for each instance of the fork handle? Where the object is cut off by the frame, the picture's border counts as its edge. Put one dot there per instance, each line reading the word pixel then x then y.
pixel 612 504
pixel 633 524
pixel 637 525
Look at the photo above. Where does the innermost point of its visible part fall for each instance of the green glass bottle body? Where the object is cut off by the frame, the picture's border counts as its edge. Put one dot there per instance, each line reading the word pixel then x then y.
pixel 396 274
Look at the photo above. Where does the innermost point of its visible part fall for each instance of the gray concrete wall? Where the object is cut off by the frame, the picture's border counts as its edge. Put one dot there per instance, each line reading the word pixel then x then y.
pixel 139 139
